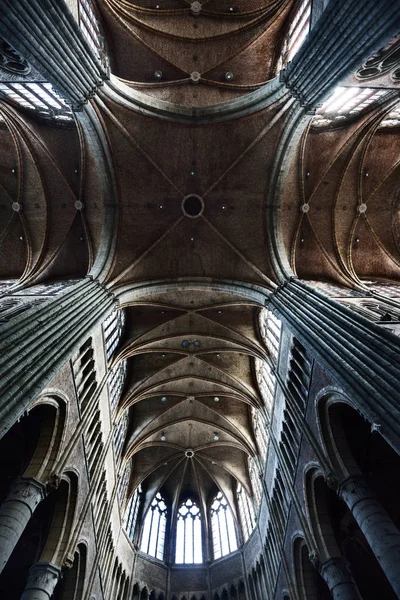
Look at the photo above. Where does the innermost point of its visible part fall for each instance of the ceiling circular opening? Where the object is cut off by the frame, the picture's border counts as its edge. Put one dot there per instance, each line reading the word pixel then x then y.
pixel 189 453
pixel 192 206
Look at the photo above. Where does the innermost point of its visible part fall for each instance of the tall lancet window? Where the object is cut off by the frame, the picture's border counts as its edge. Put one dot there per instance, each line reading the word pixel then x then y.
pixel 153 537
pixel 188 534
pixel 131 512
pixel 297 33
pixel 246 512
pixel 223 527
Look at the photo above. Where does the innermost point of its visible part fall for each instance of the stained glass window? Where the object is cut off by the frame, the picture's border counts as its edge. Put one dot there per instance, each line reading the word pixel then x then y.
pixel 223 527
pixel 153 537
pixel 188 534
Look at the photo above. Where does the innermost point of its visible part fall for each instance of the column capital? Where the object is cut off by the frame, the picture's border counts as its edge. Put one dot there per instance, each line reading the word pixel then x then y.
pixel 336 570
pixel 354 489
pixel 28 490
pixel 43 577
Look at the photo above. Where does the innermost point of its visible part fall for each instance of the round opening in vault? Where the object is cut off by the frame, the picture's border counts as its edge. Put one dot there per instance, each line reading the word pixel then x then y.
pixel 192 206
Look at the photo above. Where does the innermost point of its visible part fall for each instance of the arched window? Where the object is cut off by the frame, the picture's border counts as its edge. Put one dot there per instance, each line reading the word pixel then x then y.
pixel 119 433
pixel 223 528
pixel 153 537
pixel 112 328
pixel 131 512
pixel 90 29
pixel 188 534
pixel 255 481
pixel 246 512
pixel 298 30
pixel 116 383
pixel 123 482
pixel 270 328
pixel 266 380
pixel 260 432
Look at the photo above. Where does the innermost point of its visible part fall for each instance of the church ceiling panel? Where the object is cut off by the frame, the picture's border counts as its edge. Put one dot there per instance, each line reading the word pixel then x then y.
pixel 167 45
pixel 226 237
pixel 344 223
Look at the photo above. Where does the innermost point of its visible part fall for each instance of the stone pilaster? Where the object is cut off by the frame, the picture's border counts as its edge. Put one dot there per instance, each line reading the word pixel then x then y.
pixel 42 580
pixel 337 574
pixel 379 530
pixel 15 513
pixel 362 357
pixel 47 36
pixel 35 346
pixel 347 33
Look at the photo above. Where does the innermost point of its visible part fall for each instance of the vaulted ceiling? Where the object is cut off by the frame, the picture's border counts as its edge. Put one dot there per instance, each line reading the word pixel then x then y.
pixel 195 198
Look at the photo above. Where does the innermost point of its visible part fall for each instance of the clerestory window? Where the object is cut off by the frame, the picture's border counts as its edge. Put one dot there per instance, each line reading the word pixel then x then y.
pixel 297 33
pixel 153 536
pixel 188 534
pixel 223 527
pixel 131 512
pixel 246 512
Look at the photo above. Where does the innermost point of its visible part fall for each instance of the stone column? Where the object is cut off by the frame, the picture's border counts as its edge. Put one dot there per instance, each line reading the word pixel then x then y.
pixel 42 580
pixel 337 574
pixel 36 345
pixel 47 36
pixel 379 530
pixel 349 33
pixel 360 355
pixel 15 513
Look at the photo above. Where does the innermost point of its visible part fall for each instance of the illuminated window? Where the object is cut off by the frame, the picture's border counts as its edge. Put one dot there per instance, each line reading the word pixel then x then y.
pixel 297 33
pixel 90 28
pixel 223 527
pixel 270 328
pixel 112 328
pixel 123 482
pixel 131 512
pixel 255 480
pixel 260 432
pixel 39 97
pixel 188 534
pixel 119 433
pixel 246 512
pixel 346 102
pixel 266 380
pixel 116 383
pixel 153 537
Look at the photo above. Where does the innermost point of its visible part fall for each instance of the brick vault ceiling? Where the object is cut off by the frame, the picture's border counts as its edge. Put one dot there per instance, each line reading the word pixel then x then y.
pixel 187 346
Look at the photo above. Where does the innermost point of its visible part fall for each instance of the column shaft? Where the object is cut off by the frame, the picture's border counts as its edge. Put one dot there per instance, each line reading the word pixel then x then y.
pixel 43 578
pixel 347 33
pixel 337 574
pixel 360 355
pixel 15 513
pixel 47 35
pixel 36 346
pixel 379 530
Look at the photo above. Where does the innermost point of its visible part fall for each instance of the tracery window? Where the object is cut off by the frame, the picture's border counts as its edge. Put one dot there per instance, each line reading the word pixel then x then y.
pixel 266 380
pixel 39 97
pixel 223 527
pixel 116 382
pixel 298 30
pixel 246 512
pixel 90 28
pixel 270 327
pixel 112 328
pixel 260 432
pixel 255 480
pixel 376 311
pixel 132 511
pixel 124 482
pixel 153 536
pixel 346 102
pixel 188 534
pixel 119 433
